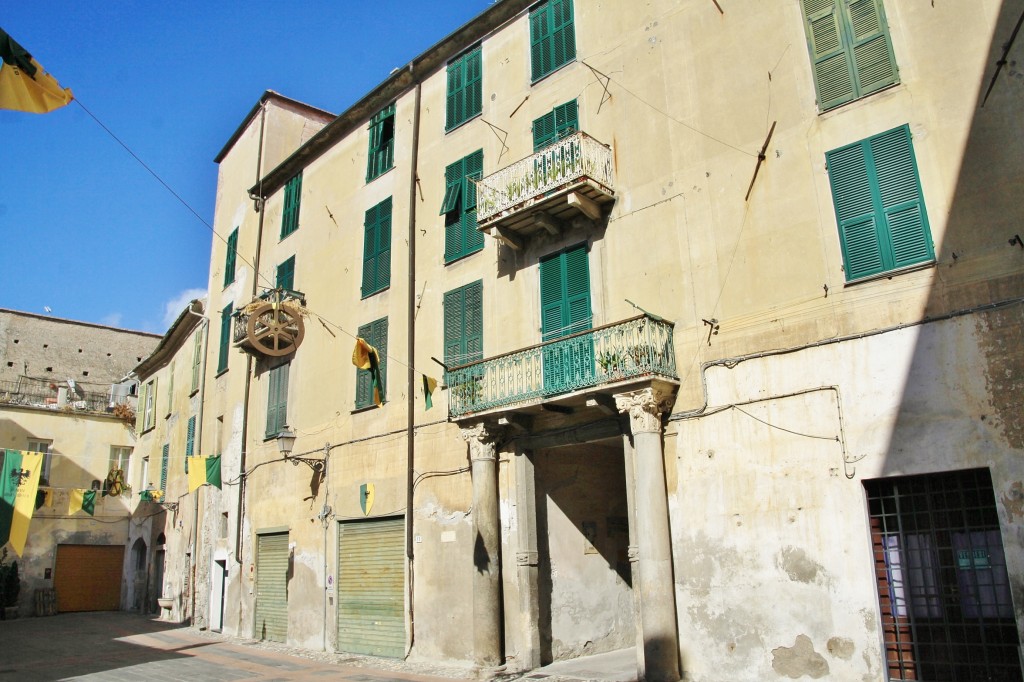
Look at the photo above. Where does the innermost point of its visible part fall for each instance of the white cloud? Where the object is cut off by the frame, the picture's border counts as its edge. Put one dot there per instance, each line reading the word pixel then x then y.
pixel 174 306
pixel 112 320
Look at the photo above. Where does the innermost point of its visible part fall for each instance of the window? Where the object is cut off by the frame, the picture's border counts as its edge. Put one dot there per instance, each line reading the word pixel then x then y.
pixel 560 122
pixel 147 403
pixel 381 156
pixel 292 199
pixel 197 358
pixel 119 457
pixel 286 274
pixel 461 237
pixel 377 248
pixel 144 482
pixel 552 37
pixel 943 585
pixel 225 339
pixel 164 460
pixel 463 324
pixel 464 88
pixel 42 446
pixel 565 310
pixel 880 212
pixel 229 258
pixel 851 53
pixel 190 437
pixel 375 334
pixel 277 400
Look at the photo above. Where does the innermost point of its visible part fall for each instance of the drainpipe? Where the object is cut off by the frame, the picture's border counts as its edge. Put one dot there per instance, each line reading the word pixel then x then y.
pixel 204 323
pixel 411 354
pixel 248 358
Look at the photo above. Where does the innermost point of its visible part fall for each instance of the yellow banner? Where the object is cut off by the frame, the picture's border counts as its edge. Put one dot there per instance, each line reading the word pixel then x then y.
pixel 25 502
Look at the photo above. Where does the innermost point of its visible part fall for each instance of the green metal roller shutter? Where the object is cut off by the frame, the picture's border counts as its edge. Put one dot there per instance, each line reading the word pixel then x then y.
pixel 371 578
pixel 272 587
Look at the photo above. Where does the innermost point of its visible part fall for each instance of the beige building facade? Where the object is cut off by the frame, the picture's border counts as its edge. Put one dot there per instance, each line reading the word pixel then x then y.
pixel 65 391
pixel 725 303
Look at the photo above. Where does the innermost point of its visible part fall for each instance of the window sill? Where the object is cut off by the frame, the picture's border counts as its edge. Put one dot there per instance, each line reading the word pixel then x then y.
pixel 374 293
pixel 889 274
pixel 462 123
pixel 220 373
pixel 193 393
pixel 461 257
pixel 365 408
pixel 285 236
pixel 862 98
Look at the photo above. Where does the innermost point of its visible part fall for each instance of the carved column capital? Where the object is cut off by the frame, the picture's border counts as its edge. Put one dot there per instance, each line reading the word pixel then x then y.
pixel 644 408
pixel 482 441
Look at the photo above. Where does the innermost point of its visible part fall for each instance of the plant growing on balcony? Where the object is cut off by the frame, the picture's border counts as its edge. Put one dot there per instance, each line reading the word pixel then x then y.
pixel 469 392
pixel 612 363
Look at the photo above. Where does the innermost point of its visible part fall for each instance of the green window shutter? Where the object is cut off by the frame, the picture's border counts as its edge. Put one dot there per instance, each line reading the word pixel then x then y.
pixel 474 70
pixel 453 242
pixel 540 42
pixel 461 236
pixel 566 119
pixel 465 99
pixel 164 460
pixel 463 324
pixel 286 274
pixel 543 131
pixel 277 400
pixel 563 33
pixel 451 198
pixel 225 338
pixel 873 60
pixel 375 334
pixel 140 413
pixel 382 142
pixel 454 109
pixel 565 293
pixel 229 259
pixel 151 417
pixel 292 200
pixel 197 359
pixel 851 52
pixel 472 238
pixel 170 388
pixel 377 248
pixel 190 437
pixel 879 205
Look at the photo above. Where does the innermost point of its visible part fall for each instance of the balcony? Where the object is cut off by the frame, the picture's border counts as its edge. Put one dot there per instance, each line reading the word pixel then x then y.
pixel 566 371
pixel 572 176
pixel 43 394
pixel 278 329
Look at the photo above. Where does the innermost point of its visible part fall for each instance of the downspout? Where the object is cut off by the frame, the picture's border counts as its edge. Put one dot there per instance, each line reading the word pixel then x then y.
pixel 205 327
pixel 248 358
pixel 411 354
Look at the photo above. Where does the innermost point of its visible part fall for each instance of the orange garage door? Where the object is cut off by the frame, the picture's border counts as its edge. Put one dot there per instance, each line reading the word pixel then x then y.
pixel 88 577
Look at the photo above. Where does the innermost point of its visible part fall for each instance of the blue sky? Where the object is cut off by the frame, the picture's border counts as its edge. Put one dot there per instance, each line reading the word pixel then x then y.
pixel 87 231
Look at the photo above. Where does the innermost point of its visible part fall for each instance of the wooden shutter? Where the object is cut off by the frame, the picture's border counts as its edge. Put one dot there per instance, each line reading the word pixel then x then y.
pixel 225 338
pixel 870 47
pixel 375 334
pixel 229 259
pixel 879 206
pixel 292 197
pixel 474 320
pixel 377 248
pixel 472 238
pixel 563 33
pixel 197 358
pixel 543 131
pixel 577 289
pixel 165 457
pixel 833 72
pixel 540 42
pixel 565 293
pixel 277 400
pixel 286 274
pixel 382 138
pixel 473 68
pixel 552 300
pixel 902 203
pixel 190 437
pixel 371 601
pixel 151 397
pixel 566 119
pixel 455 105
pixel 272 587
pixel 140 413
pixel 454 325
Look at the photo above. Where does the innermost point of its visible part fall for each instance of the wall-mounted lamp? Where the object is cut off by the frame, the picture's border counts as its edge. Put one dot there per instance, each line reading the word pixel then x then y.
pixel 285 441
pixel 156 496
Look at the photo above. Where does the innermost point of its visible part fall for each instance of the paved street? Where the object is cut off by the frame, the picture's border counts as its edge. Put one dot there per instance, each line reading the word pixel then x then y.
pixel 123 646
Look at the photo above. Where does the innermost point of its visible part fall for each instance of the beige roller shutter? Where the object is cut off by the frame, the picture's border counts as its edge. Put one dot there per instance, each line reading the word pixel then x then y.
pixel 88 577
pixel 371 606
pixel 272 587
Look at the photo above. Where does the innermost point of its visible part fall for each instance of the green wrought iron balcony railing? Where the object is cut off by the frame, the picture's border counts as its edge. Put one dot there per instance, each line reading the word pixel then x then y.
pixel 570 176
pixel 632 349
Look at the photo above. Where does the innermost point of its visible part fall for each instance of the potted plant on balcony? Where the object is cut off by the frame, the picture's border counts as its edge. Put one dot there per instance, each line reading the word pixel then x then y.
pixel 10 588
pixel 612 363
pixel 470 392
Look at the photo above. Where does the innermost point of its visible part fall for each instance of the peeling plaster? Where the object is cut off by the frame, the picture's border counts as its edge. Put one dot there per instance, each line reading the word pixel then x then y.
pixel 799 660
pixel 796 564
pixel 1013 501
pixel 443 516
pixel 841 647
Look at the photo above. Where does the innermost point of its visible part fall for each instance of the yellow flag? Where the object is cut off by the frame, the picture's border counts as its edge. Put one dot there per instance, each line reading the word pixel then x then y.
pixel 25 502
pixel 75 498
pixel 24 85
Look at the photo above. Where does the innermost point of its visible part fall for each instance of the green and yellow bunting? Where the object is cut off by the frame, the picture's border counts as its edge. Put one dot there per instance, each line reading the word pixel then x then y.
pixel 204 470
pixel 82 500
pixel 365 356
pixel 429 385
pixel 19 481
pixel 24 85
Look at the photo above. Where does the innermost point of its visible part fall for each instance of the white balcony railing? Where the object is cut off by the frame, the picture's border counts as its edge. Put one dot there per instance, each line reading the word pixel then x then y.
pixel 572 159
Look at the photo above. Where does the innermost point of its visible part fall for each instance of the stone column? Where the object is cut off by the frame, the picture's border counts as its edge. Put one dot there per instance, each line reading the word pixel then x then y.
pixel 629 459
pixel 527 562
pixel 487 635
pixel 654 581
